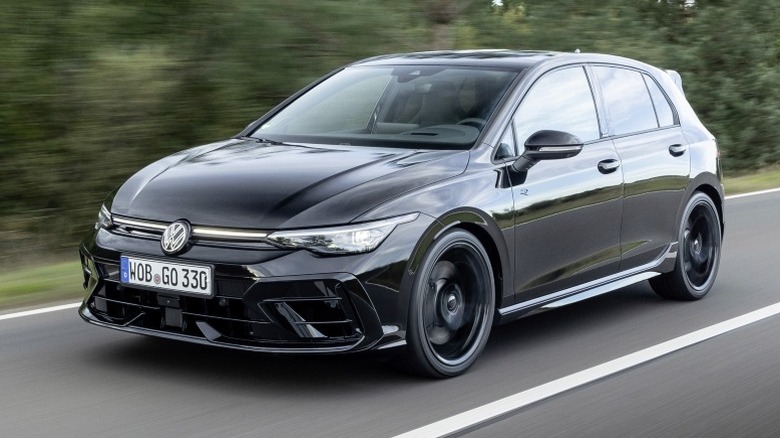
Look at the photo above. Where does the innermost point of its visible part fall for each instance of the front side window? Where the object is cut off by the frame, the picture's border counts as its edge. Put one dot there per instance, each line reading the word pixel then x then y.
pixel 396 106
pixel 627 99
pixel 559 101
pixel 506 147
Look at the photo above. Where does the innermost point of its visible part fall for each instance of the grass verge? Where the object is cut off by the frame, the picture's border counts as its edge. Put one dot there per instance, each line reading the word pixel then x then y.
pixel 62 281
pixel 41 284
pixel 761 180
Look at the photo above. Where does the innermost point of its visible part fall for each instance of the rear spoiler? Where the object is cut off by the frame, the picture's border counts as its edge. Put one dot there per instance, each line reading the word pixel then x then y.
pixel 676 78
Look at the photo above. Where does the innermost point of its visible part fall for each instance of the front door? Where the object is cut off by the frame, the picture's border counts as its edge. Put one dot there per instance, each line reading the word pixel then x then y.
pixel 567 211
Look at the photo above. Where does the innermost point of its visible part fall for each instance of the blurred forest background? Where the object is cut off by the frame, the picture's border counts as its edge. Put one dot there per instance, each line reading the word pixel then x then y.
pixel 92 90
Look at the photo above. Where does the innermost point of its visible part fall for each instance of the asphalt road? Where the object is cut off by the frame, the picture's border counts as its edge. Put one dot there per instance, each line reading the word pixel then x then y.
pixel 62 377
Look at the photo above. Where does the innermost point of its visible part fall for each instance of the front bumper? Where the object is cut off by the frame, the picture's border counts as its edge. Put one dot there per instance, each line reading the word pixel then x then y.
pixel 296 316
pixel 264 300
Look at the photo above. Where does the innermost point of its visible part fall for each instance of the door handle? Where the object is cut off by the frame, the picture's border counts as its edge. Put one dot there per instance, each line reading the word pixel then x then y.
pixel 608 166
pixel 677 149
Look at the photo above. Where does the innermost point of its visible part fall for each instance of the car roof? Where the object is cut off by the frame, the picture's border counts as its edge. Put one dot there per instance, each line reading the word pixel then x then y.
pixel 509 59
pixel 517 60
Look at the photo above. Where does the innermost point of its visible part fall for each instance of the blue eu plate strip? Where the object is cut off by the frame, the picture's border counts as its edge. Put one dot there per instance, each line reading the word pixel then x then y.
pixel 124 269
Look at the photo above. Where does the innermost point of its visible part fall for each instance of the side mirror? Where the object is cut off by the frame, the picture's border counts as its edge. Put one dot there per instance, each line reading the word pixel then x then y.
pixel 547 145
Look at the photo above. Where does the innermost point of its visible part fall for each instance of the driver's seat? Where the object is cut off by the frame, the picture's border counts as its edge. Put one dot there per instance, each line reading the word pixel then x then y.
pixel 440 105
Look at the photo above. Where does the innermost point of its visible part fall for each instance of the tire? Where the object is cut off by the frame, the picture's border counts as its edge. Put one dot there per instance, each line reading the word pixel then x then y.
pixel 451 307
pixel 698 253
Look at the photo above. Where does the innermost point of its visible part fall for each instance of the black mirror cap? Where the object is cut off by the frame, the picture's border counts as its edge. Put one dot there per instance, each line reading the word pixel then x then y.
pixel 547 145
pixel 554 142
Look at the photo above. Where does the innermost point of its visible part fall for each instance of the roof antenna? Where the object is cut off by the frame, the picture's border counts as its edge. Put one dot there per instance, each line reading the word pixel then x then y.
pixel 576 50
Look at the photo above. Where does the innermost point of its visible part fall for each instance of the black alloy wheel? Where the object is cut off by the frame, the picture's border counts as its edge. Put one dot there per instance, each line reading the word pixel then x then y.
pixel 698 253
pixel 452 305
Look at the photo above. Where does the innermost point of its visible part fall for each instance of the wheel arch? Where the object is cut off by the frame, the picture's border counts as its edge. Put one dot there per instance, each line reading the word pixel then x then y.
pixel 717 199
pixel 495 259
pixel 482 226
pixel 427 353
pixel 709 184
pixel 696 262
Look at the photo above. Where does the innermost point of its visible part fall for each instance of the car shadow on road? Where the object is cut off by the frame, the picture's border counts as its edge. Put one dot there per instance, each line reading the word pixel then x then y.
pixel 559 329
pixel 608 310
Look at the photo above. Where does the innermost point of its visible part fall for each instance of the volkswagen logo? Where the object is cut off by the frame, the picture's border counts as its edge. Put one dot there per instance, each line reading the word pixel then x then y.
pixel 175 237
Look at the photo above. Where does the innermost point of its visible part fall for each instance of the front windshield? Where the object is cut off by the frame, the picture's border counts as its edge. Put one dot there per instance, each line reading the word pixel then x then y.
pixel 434 107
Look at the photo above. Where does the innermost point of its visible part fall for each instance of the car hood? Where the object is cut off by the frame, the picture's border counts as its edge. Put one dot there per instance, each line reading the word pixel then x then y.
pixel 246 184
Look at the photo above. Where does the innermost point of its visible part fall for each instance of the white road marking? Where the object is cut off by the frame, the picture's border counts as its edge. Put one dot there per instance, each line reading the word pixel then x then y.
pixel 485 413
pixel 514 402
pixel 744 195
pixel 39 311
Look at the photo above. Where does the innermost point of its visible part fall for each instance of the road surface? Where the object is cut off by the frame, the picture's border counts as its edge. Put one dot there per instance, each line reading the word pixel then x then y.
pixel 62 377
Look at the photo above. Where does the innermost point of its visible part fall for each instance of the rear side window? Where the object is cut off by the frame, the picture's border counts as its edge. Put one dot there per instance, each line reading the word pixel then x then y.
pixel 628 101
pixel 662 108
pixel 560 101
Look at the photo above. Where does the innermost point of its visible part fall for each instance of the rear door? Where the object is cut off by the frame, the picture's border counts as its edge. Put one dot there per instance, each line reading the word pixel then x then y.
pixel 655 161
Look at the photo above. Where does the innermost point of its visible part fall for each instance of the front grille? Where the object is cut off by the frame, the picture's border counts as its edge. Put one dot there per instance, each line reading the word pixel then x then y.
pixel 208 235
pixel 243 311
pixel 151 310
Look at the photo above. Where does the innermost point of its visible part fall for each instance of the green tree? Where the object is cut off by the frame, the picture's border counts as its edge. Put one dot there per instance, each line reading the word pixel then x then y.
pixel 92 90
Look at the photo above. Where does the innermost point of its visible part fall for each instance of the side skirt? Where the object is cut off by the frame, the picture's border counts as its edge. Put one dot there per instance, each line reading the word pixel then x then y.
pixel 587 290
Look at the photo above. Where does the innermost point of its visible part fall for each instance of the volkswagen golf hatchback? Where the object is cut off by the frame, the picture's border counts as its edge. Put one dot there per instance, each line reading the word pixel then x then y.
pixel 413 201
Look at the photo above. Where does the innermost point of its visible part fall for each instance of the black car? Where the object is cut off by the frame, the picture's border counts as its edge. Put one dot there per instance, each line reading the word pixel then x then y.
pixel 414 201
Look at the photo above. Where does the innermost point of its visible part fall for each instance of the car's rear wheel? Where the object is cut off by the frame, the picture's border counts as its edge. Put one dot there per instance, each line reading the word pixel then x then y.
pixel 698 253
pixel 451 308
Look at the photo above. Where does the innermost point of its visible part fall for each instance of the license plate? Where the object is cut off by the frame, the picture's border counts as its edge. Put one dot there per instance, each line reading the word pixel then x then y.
pixel 175 277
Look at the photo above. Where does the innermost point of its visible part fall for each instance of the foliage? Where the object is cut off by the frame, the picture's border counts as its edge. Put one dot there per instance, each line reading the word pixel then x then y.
pixel 92 90
pixel 726 51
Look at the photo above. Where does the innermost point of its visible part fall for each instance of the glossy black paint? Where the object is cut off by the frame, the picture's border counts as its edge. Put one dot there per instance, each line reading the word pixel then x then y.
pixel 247 184
pixel 557 225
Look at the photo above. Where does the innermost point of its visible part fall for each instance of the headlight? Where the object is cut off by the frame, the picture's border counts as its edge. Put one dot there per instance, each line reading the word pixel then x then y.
pixel 348 239
pixel 104 218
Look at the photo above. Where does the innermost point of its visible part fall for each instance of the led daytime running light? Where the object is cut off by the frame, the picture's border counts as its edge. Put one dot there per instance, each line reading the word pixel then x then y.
pixel 348 239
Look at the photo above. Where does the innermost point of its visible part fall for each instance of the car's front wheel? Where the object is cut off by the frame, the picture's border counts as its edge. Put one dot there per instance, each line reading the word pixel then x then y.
pixel 451 308
pixel 698 253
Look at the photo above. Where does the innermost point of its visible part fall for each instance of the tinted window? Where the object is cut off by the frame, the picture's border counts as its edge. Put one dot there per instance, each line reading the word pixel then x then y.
pixel 560 101
pixel 403 106
pixel 628 101
pixel 506 148
pixel 662 108
pixel 348 109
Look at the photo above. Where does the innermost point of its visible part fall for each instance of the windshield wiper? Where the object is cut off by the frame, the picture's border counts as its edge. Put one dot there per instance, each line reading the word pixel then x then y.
pixel 262 140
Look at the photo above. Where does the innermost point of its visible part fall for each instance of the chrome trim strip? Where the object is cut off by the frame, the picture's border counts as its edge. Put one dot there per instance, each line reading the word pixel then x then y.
pixel 141 224
pixel 210 233
pixel 246 235
pixel 574 148
pixel 144 234
pixel 600 290
pixel 604 283
pixel 227 233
